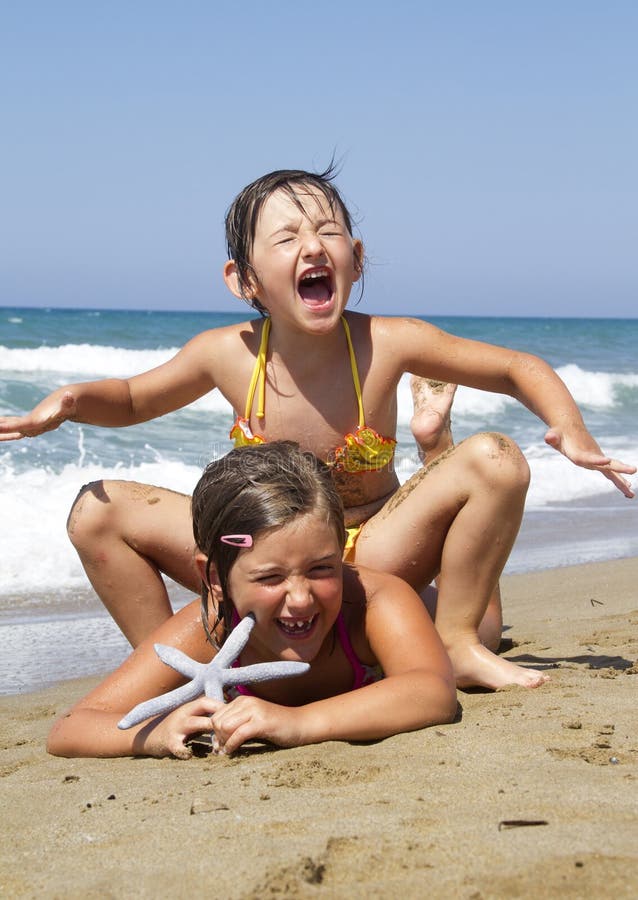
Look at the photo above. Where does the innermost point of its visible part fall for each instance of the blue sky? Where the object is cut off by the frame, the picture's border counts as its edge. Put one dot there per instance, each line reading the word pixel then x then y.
pixel 489 149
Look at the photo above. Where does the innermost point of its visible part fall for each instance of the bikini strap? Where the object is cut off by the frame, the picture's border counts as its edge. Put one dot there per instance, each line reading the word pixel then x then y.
pixel 358 671
pixel 259 374
pixel 355 371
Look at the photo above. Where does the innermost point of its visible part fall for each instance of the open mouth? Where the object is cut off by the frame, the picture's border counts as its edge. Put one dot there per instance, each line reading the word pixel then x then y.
pixel 296 628
pixel 315 286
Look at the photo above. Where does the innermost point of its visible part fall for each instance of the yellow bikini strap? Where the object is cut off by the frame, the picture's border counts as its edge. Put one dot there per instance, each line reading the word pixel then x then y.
pixel 259 373
pixel 355 371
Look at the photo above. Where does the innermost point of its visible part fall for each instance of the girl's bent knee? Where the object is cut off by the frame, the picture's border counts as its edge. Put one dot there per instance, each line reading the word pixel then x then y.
pixel 500 458
pixel 89 513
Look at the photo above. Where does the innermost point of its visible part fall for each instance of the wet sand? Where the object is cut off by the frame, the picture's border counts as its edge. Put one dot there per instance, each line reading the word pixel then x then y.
pixel 528 794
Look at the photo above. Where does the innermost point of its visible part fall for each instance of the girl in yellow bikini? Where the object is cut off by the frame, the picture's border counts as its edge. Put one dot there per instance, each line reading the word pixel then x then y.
pixel 363 451
pixel 294 258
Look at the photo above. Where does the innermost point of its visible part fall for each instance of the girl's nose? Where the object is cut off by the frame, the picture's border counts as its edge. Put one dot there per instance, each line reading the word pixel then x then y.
pixel 311 245
pixel 299 596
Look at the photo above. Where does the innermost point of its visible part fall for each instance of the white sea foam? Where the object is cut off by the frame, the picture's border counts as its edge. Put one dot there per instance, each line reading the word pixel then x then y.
pixel 589 388
pixel 35 499
pixel 594 390
pixel 554 479
pixel 36 553
pixel 83 360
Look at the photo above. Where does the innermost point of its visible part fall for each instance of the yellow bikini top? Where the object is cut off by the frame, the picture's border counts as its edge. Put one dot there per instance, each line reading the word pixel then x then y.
pixel 363 451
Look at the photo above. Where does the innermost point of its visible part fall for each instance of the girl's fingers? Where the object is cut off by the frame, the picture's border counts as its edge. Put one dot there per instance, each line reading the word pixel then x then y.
pixel 619 466
pixel 224 724
pixel 180 751
pixel 613 469
pixel 621 483
pixel 239 736
pixel 200 724
pixel 233 725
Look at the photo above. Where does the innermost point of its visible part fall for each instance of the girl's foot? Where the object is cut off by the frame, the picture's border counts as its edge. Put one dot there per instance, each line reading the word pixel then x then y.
pixel 476 666
pixel 430 424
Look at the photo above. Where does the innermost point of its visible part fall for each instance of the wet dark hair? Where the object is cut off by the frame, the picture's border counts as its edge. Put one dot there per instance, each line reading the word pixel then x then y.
pixel 243 214
pixel 251 489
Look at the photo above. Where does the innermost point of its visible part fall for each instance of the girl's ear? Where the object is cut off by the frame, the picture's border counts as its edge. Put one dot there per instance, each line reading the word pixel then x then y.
pixel 357 250
pixel 234 283
pixel 231 277
pixel 213 585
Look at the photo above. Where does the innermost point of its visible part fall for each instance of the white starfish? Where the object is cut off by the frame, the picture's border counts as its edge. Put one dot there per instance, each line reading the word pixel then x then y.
pixel 210 678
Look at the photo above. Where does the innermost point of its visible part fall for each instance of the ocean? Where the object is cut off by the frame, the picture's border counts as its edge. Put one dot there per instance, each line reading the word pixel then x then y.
pixel 51 624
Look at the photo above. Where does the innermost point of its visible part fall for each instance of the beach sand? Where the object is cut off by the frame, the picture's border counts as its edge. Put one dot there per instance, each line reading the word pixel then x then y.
pixel 530 794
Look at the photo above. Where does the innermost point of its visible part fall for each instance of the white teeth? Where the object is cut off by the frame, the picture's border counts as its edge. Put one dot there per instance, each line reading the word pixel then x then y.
pixel 312 275
pixel 296 625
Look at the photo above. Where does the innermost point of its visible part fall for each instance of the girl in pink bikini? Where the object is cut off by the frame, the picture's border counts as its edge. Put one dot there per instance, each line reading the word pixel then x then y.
pixel 309 370
pixel 269 527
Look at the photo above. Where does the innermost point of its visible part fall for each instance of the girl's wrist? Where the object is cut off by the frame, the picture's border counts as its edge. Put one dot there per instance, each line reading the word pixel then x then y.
pixel 312 725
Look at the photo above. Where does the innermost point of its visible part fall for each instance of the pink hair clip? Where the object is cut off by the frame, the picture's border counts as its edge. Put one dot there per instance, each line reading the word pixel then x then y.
pixel 237 540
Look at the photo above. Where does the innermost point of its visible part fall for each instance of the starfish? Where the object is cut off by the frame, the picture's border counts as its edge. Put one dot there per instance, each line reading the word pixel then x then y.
pixel 210 678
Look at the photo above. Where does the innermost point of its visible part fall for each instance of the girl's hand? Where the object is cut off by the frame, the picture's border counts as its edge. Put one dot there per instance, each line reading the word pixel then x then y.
pixel 46 416
pixel 245 718
pixel 583 451
pixel 167 736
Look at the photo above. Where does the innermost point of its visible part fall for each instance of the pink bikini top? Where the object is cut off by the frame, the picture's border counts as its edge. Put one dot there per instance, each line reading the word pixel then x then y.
pixel 361 674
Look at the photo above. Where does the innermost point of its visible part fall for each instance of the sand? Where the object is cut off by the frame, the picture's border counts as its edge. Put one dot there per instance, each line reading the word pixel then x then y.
pixel 529 794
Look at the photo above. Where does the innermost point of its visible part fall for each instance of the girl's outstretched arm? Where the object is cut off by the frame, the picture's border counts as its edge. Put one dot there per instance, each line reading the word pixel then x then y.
pixel 117 402
pixel 428 351
pixel 90 727
pixel 418 688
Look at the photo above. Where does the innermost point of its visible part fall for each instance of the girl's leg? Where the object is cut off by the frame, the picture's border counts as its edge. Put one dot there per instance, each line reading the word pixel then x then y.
pixel 431 426
pixel 126 534
pixel 458 519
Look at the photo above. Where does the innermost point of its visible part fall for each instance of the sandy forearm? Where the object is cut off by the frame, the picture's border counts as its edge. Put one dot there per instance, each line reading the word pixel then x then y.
pixel 94 733
pixel 404 702
pixel 535 384
pixel 105 403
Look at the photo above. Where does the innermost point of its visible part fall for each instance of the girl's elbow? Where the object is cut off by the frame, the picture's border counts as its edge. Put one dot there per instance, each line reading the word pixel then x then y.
pixel 60 739
pixel 445 708
pixel 449 710
pixel 55 742
pixel 434 699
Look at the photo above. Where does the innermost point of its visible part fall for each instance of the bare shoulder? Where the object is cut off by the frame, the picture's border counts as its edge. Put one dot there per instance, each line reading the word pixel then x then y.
pixel 388 346
pixel 374 585
pixel 394 628
pixel 228 336
pixel 226 350
pixel 401 328
pixel 403 342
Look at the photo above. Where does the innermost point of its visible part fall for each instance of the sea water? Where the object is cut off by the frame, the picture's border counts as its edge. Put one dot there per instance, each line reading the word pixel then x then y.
pixel 51 624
